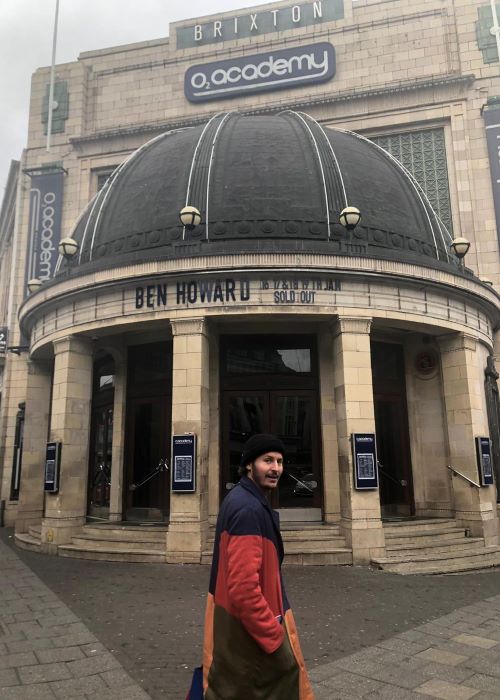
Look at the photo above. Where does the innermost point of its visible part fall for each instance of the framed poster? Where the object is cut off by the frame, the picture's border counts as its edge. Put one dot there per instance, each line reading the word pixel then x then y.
pixel 184 463
pixel 484 461
pixel 364 455
pixel 52 467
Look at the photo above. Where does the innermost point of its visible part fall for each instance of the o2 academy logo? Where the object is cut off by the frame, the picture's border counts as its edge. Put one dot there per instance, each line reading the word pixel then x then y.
pixel 288 68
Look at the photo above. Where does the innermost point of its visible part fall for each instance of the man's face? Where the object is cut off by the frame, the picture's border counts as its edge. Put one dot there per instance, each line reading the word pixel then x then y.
pixel 266 470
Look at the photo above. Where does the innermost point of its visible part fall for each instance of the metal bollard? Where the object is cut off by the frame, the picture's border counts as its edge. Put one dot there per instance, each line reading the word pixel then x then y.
pixel 2 510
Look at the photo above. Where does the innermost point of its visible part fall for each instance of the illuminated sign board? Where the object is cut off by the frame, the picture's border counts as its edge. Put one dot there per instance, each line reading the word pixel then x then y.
pixel 246 75
pixel 259 22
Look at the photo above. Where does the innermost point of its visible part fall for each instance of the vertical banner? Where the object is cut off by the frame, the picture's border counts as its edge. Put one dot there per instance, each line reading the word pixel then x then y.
pixel 44 225
pixel 492 122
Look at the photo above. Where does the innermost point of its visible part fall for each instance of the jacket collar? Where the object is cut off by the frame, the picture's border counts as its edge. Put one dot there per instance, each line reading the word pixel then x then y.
pixel 255 490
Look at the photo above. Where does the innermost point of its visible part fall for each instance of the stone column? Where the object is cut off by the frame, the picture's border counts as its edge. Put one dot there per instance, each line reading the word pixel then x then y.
pixel 463 390
pixel 65 511
pixel 36 431
pixel 331 482
pixel 118 447
pixel 360 510
pixel 190 414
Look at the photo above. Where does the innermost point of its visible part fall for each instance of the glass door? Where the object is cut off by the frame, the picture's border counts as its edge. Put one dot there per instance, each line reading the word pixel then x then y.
pixel 148 491
pixel 293 419
pixel 290 415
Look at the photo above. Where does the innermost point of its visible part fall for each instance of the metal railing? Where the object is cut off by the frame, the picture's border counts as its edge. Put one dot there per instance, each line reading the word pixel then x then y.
pixel 455 472
pixel 159 469
pixel 399 482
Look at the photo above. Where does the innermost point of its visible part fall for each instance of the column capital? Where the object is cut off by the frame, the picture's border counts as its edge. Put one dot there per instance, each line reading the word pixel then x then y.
pixel 43 366
pixel 455 342
pixel 73 343
pixel 357 325
pixel 188 326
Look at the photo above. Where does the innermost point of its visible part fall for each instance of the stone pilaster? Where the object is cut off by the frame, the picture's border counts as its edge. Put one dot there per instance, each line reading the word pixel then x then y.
pixel 36 430
pixel 118 446
pixel 65 511
pixel 360 510
pixel 331 482
pixel 190 414
pixel 463 390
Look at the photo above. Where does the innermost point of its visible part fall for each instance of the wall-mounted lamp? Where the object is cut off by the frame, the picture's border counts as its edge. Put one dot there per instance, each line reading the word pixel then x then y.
pixel 190 217
pixel 460 247
pixel 350 218
pixel 34 285
pixel 68 247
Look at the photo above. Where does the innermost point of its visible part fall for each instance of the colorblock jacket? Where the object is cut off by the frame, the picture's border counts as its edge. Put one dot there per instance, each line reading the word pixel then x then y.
pixel 251 648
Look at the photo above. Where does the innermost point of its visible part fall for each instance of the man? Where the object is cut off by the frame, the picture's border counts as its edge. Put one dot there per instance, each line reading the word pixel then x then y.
pixel 251 648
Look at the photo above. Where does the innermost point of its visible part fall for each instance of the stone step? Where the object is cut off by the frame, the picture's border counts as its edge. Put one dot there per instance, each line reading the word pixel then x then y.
pixel 460 544
pixel 418 525
pixel 419 556
pixel 434 562
pixel 446 566
pixel 105 542
pixel 332 556
pixel 26 541
pixel 111 554
pixel 408 538
pixel 127 534
pixel 35 531
pixel 309 535
pixel 327 556
pixel 313 545
pixel 295 525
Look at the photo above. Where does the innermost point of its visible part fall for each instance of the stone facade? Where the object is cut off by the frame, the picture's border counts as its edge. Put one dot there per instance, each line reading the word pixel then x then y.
pixel 399 69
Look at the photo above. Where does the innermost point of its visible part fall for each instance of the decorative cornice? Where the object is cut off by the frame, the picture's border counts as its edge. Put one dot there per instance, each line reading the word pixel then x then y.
pixel 326 98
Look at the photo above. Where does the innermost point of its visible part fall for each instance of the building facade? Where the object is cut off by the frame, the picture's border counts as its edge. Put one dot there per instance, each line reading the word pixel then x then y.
pixel 269 314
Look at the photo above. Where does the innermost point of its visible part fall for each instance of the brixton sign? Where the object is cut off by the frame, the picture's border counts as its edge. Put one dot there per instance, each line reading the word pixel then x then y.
pixel 258 22
pixel 287 68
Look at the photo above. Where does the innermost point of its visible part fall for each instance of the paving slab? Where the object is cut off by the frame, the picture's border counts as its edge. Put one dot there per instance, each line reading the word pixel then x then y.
pixel 31 666
pixel 134 631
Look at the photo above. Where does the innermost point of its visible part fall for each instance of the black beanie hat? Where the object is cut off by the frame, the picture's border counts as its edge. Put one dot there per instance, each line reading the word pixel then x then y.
pixel 260 444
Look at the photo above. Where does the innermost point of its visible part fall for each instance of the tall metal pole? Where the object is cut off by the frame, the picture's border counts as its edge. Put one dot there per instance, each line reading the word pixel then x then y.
pixel 495 30
pixel 52 77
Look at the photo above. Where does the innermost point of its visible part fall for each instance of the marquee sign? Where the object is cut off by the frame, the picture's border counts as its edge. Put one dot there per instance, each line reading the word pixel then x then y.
pixel 259 22
pixel 228 291
pixel 246 75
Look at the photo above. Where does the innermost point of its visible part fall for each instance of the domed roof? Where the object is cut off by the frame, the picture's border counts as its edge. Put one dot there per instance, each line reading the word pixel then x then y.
pixel 261 183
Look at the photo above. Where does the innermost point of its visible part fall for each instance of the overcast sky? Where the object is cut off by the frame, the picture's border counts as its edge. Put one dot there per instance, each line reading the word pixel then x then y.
pixel 26 30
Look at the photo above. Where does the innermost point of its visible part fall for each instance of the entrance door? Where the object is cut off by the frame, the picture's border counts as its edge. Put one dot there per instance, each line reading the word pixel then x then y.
pixel 391 425
pixel 149 402
pixel 148 493
pixel 292 416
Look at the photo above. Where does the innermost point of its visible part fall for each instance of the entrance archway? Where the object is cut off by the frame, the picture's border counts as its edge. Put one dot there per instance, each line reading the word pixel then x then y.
pixel 149 405
pixel 391 425
pixel 269 385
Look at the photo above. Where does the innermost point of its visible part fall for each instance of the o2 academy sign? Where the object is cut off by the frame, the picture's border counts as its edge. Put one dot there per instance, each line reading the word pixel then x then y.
pixel 259 22
pixel 286 68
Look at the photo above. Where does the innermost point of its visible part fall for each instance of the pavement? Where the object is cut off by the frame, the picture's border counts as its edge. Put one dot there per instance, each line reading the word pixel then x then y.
pixel 72 629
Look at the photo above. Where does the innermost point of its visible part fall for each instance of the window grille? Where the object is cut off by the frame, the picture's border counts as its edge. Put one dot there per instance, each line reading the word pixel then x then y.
pixel 423 153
